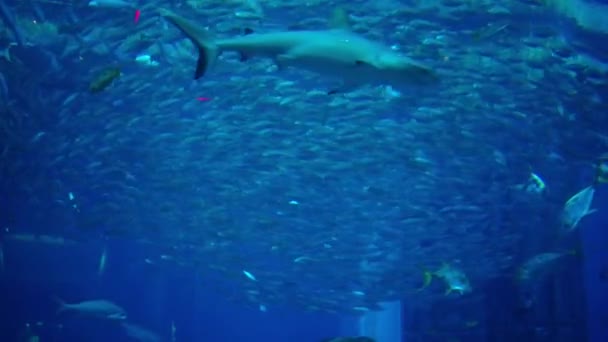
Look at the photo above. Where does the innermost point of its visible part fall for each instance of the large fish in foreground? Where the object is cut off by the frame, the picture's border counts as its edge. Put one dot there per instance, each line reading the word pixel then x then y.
pixel 99 308
pixel 576 208
pixel 337 53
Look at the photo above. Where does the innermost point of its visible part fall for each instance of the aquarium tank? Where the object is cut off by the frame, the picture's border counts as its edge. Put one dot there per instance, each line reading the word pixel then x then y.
pixel 303 171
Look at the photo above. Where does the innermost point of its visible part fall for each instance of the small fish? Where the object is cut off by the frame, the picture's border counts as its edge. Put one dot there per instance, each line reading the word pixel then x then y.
pixel 37 137
pixel 455 279
pixel 146 60
pixel 111 4
pixel 489 31
pixel 537 266
pixel 535 184
pixel 471 324
pixel 42 239
pixel 99 308
pixel 249 275
pixel 6 52
pixel 254 10
pixel 601 170
pixel 102 262
pixel 577 207
pixel 103 80
pixel 302 259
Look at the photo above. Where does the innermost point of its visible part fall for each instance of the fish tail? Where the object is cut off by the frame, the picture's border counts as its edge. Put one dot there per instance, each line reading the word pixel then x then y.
pixel 6 54
pixel 62 306
pixel 428 278
pixel 207 48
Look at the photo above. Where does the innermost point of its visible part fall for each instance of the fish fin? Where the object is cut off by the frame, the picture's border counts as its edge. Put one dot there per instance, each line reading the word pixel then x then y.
pixel 590 212
pixel 428 278
pixel 207 49
pixel 340 20
pixel 62 306
pixel 5 53
pixel 243 57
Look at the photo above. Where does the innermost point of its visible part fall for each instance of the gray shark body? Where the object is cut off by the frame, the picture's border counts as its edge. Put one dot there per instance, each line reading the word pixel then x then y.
pixel 337 53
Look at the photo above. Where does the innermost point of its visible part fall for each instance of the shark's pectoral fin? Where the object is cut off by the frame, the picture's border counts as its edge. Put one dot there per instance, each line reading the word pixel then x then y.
pixel 202 63
pixel 243 57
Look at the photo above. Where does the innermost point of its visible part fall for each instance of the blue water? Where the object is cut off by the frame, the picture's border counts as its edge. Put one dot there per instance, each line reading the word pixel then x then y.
pixel 153 296
pixel 252 205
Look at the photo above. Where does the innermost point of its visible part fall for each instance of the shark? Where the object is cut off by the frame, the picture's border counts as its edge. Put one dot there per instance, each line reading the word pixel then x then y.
pixel 336 53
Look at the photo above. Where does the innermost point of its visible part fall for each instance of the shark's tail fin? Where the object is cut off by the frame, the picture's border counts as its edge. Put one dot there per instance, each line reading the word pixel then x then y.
pixel 207 49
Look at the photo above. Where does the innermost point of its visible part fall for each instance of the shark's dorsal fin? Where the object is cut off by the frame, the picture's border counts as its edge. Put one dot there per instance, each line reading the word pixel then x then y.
pixel 340 19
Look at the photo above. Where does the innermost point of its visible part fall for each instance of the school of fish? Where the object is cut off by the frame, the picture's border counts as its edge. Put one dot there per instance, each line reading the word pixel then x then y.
pixel 329 162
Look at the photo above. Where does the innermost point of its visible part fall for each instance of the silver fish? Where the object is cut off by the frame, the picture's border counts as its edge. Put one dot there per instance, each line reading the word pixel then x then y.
pixel 577 207
pixel 99 308
pixel 139 333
